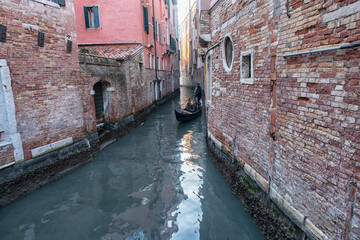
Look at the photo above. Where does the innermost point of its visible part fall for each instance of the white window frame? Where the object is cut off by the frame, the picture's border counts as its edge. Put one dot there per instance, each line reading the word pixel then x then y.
pixel 243 79
pixel 226 67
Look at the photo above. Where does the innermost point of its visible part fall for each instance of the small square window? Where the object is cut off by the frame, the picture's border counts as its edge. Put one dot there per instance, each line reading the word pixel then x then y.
pixel 68 46
pixel 41 39
pixel 3 33
pixel 246 67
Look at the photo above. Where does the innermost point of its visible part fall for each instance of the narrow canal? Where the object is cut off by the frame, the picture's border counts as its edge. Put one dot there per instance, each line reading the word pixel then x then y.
pixel 155 183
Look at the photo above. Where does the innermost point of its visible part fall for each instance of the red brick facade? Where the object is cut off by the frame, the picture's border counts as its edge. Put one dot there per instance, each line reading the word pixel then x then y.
pixel 46 80
pixel 296 119
pixel 6 154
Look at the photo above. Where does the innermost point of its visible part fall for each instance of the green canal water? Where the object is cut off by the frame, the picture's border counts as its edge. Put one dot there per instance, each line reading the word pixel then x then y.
pixel 155 183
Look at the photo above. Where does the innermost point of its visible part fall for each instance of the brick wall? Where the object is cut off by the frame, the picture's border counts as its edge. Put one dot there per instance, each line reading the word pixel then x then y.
pixel 133 84
pixel 6 154
pixel 317 117
pixel 46 81
pixel 297 125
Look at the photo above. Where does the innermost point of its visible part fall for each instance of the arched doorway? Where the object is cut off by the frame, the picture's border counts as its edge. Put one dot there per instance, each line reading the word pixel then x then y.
pixel 102 100
pixel 99 102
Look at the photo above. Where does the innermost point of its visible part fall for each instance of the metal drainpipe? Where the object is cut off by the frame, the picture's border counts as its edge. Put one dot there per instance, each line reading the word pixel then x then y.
pixel 353 45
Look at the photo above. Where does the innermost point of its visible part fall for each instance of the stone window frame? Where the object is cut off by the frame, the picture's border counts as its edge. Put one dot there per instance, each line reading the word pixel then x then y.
pixel 9 133
pixel 48 3
pixel 243 79
pixel 226 67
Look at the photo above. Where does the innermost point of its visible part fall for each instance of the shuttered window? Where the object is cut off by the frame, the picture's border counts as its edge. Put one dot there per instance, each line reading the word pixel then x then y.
pixel 91 15
pixel 60 2
pixel 155 30
pixel 146 20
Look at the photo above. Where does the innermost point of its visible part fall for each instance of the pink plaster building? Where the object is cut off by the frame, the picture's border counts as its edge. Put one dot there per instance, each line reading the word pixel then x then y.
pixel 133 23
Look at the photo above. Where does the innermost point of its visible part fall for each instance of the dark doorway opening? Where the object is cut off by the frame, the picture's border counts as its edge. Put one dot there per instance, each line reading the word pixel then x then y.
pixel 99 102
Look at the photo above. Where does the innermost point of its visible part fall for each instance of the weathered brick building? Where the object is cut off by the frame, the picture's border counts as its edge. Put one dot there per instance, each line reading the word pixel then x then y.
pixel 41 89
pixel 52 97
pixel 282 91
pixel 144 44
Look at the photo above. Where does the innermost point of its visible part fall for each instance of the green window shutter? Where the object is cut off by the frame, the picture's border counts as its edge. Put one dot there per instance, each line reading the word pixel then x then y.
pixel 61 2
pixel 155 30
pixel 146 20
pixel 153 21
pixel 96 17
pixel 86 15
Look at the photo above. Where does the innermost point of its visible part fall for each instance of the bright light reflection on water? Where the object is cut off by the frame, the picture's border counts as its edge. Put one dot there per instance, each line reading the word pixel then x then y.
pixel 189 210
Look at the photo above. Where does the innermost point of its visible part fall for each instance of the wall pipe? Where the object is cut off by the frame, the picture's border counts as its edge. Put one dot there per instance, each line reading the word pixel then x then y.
pixel 322 50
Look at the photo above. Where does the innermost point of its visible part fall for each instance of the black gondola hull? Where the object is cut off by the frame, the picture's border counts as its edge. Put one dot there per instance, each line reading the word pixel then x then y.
pixel 184 117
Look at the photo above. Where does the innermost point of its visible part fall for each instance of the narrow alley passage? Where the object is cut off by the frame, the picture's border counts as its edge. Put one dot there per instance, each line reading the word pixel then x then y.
pixel 155 183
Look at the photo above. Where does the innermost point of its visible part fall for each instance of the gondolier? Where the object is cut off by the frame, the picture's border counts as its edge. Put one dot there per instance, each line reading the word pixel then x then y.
pixel 197 94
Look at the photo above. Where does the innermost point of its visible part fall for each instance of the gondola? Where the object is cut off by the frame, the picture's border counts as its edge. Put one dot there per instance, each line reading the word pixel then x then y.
pixel 185 116
pixel 188 114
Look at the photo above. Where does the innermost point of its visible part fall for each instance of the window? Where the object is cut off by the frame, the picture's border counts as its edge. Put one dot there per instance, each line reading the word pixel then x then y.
pixel 146 20
pixel 163 64
pixel 246 67
pixel 153 61
pixel 3 30
pixel 155 31
pixel 154 26
pixel 167 35
pixel 149 60
pixel 60 2
pixel 174 21
pixel 228 54
pixel 158 63
pixel 160 33
pixel 41 39
pixel 92 17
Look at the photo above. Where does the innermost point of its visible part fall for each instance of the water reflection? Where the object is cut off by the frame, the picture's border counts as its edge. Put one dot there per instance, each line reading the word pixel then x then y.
pixel 189 212
pixel 155 183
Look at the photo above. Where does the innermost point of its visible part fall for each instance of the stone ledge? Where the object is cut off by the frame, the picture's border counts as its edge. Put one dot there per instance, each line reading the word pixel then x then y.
pixel 341 12
pixel 256 177
pixel 51 147
pixel 4 143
